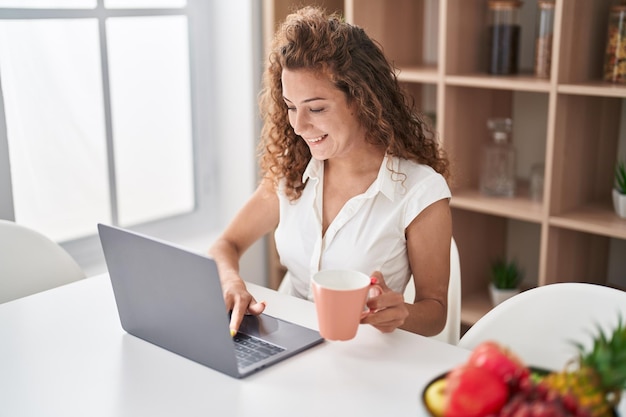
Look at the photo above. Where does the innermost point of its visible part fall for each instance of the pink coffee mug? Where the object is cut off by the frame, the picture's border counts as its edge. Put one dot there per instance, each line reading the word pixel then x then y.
pixel 340 297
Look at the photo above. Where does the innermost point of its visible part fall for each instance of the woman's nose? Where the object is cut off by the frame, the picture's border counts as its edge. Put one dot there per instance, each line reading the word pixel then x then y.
pixel 299 122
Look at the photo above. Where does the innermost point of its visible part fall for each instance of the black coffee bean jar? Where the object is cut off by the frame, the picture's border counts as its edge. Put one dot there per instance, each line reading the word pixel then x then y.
pixel 503 35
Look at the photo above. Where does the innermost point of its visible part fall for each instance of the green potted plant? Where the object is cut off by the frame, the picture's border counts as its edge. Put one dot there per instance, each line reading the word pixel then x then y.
pixel 505 280
pixel 619 190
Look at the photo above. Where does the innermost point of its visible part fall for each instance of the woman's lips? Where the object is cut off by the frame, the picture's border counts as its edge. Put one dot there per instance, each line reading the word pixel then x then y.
pixel 317 139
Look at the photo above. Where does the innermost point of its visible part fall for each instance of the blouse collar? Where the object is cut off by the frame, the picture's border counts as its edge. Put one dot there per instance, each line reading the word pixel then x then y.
pixel 384 183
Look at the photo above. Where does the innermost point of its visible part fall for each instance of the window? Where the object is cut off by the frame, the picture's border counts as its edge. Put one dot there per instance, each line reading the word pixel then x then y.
pixel 104 117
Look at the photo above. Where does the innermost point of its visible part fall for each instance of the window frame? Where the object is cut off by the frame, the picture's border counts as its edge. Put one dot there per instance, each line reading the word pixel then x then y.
pixel 206 219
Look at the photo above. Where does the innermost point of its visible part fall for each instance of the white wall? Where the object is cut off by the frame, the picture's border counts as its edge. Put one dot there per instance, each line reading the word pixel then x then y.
pixel 235 104
pixel 237 71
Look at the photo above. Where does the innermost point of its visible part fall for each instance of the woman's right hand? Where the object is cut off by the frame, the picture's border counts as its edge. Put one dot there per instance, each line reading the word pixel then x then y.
pixel 240 302
pixel 258 217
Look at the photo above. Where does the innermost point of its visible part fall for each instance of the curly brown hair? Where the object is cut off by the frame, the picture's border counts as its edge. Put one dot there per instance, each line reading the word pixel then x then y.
pixel 311 39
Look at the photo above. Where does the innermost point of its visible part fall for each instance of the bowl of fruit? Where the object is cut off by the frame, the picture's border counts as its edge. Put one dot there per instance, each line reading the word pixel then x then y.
pixel 494 382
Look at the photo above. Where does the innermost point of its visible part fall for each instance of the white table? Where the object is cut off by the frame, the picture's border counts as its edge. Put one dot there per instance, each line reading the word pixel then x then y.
pixel 63 353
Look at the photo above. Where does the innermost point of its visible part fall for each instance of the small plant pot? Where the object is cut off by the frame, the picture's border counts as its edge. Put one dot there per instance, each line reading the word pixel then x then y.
pixel 619 203
pixel 499 295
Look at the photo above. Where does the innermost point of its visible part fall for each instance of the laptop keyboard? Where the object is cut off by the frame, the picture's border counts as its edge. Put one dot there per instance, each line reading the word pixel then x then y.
pixel 250 350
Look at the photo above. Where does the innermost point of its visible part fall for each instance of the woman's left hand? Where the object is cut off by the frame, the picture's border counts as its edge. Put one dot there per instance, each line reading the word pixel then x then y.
pixel 387 308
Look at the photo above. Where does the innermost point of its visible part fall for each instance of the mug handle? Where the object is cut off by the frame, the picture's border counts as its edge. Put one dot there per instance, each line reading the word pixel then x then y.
pixel 373 287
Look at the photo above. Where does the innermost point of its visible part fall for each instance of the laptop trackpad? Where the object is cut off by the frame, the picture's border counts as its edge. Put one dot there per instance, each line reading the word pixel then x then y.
pixel 279 332
pixel 259 326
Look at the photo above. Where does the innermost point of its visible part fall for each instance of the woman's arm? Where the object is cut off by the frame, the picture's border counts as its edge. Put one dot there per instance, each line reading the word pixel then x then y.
pixel 255 219
pixel 428 243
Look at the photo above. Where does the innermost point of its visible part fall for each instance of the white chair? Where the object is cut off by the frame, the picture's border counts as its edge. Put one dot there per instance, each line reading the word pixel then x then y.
pixel 540 324
pixel 452 330
pixel 31 262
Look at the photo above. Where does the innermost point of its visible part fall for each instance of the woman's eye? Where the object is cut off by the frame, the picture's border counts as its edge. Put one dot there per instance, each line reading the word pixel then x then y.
pixel 317 110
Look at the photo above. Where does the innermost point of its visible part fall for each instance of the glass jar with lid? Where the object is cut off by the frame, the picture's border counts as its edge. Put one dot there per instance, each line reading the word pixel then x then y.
pixel 503 34
pixel 543 39
pixel 615 57
pixel 497 177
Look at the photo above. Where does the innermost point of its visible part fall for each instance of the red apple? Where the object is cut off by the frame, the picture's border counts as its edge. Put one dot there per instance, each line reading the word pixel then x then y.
pixel 474 392
pixel 500 361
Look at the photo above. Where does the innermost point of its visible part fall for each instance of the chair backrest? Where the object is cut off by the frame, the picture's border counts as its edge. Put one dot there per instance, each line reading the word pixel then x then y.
pixel 452 330
pixel 541 324
pixel 31 262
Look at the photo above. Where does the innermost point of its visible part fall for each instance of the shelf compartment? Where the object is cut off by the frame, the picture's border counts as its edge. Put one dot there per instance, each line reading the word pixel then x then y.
pixel 464 131
pixel 585 145
pixel 487 237
pixel 465 50
pixel 466 39
pixel 582 40
pixel 477 304
pixel 474 306
pixel 464 128
pixel 407 30
pixel 481 238
pixel 576 257
pixel 425 98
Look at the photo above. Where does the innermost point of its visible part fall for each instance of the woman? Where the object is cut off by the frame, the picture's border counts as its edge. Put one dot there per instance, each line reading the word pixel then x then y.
pixel 353 178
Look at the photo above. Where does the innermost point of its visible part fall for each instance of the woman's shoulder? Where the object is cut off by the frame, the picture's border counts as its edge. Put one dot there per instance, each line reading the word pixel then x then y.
pixel 410 178
pixel 417 186
pixel 413 172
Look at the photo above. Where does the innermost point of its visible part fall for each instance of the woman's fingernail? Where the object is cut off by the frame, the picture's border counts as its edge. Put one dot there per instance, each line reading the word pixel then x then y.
pixel 233 332
pixel 373 280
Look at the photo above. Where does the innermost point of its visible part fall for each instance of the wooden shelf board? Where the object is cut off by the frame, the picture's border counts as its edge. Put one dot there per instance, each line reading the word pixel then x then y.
pixel 429 74
pixel 594 218
pixel 426 74
pixel 518 82
pixel 594 88
pixel 520 208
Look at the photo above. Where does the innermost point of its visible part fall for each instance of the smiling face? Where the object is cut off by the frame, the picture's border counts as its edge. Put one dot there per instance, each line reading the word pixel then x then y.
pixel 320 114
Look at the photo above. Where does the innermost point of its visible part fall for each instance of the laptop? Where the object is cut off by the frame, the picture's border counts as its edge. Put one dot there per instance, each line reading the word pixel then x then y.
pixel 172 297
